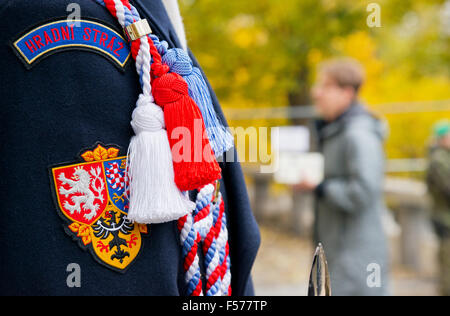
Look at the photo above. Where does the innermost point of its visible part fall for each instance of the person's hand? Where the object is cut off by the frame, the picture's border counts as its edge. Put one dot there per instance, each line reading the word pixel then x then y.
pixel 306 185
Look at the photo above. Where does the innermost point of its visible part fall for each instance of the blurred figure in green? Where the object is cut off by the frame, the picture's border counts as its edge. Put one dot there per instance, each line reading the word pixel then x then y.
pixel 438 179
pixel 349 202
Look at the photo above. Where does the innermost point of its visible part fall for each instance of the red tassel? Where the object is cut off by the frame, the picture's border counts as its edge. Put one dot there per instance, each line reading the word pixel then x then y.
pixel 194 163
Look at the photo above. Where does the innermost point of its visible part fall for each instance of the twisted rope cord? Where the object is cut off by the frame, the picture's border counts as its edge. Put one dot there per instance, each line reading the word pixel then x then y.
pixel 210 222
pixel 141 50
pixel 176 60
pixel 220 226
pixel 190 240
pixel 207 223
pixel 224 251
pixel 179 62
pixel 203 216
pixel 212 256
pixel 206 228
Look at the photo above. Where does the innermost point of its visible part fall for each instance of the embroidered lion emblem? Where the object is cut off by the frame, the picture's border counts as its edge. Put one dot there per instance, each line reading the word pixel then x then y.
pixel 81 186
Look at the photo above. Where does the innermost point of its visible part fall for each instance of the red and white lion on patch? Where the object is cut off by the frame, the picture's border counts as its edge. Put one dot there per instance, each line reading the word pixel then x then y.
pixel 82 183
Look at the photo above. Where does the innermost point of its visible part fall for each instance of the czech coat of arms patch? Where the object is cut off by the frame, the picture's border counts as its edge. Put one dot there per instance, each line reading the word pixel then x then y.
pixel 92 199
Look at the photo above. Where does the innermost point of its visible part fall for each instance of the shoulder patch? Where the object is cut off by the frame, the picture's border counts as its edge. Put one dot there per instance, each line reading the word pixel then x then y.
pixel 62 35
pixel 91 198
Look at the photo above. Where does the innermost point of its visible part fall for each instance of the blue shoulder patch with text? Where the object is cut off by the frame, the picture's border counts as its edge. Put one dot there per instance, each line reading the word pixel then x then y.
pixel 62 35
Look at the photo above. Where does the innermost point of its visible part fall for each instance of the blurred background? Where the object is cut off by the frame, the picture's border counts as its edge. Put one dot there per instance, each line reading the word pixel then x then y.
pixel 261 58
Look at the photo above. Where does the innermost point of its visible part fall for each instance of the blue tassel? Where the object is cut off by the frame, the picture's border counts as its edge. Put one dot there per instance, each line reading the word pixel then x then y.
pixel 179 62
pixel 220 138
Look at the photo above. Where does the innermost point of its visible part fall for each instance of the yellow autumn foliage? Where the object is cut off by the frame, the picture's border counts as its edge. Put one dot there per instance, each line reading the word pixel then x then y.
pixel 263 54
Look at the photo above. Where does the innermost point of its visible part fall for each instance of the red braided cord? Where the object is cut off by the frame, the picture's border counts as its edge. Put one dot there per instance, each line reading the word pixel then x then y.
pixel 158 68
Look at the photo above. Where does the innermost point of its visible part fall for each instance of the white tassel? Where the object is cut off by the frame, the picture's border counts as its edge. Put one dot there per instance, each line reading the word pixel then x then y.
pixel 154 197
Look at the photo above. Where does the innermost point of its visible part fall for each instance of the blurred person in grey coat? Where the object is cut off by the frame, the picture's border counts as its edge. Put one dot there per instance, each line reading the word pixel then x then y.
pixel 349 202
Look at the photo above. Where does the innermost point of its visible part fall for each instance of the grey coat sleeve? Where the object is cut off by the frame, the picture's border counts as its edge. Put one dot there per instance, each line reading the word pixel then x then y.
pixel 361 187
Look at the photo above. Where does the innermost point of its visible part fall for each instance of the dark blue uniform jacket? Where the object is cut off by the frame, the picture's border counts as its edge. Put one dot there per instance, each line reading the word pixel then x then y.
pixel 67 102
